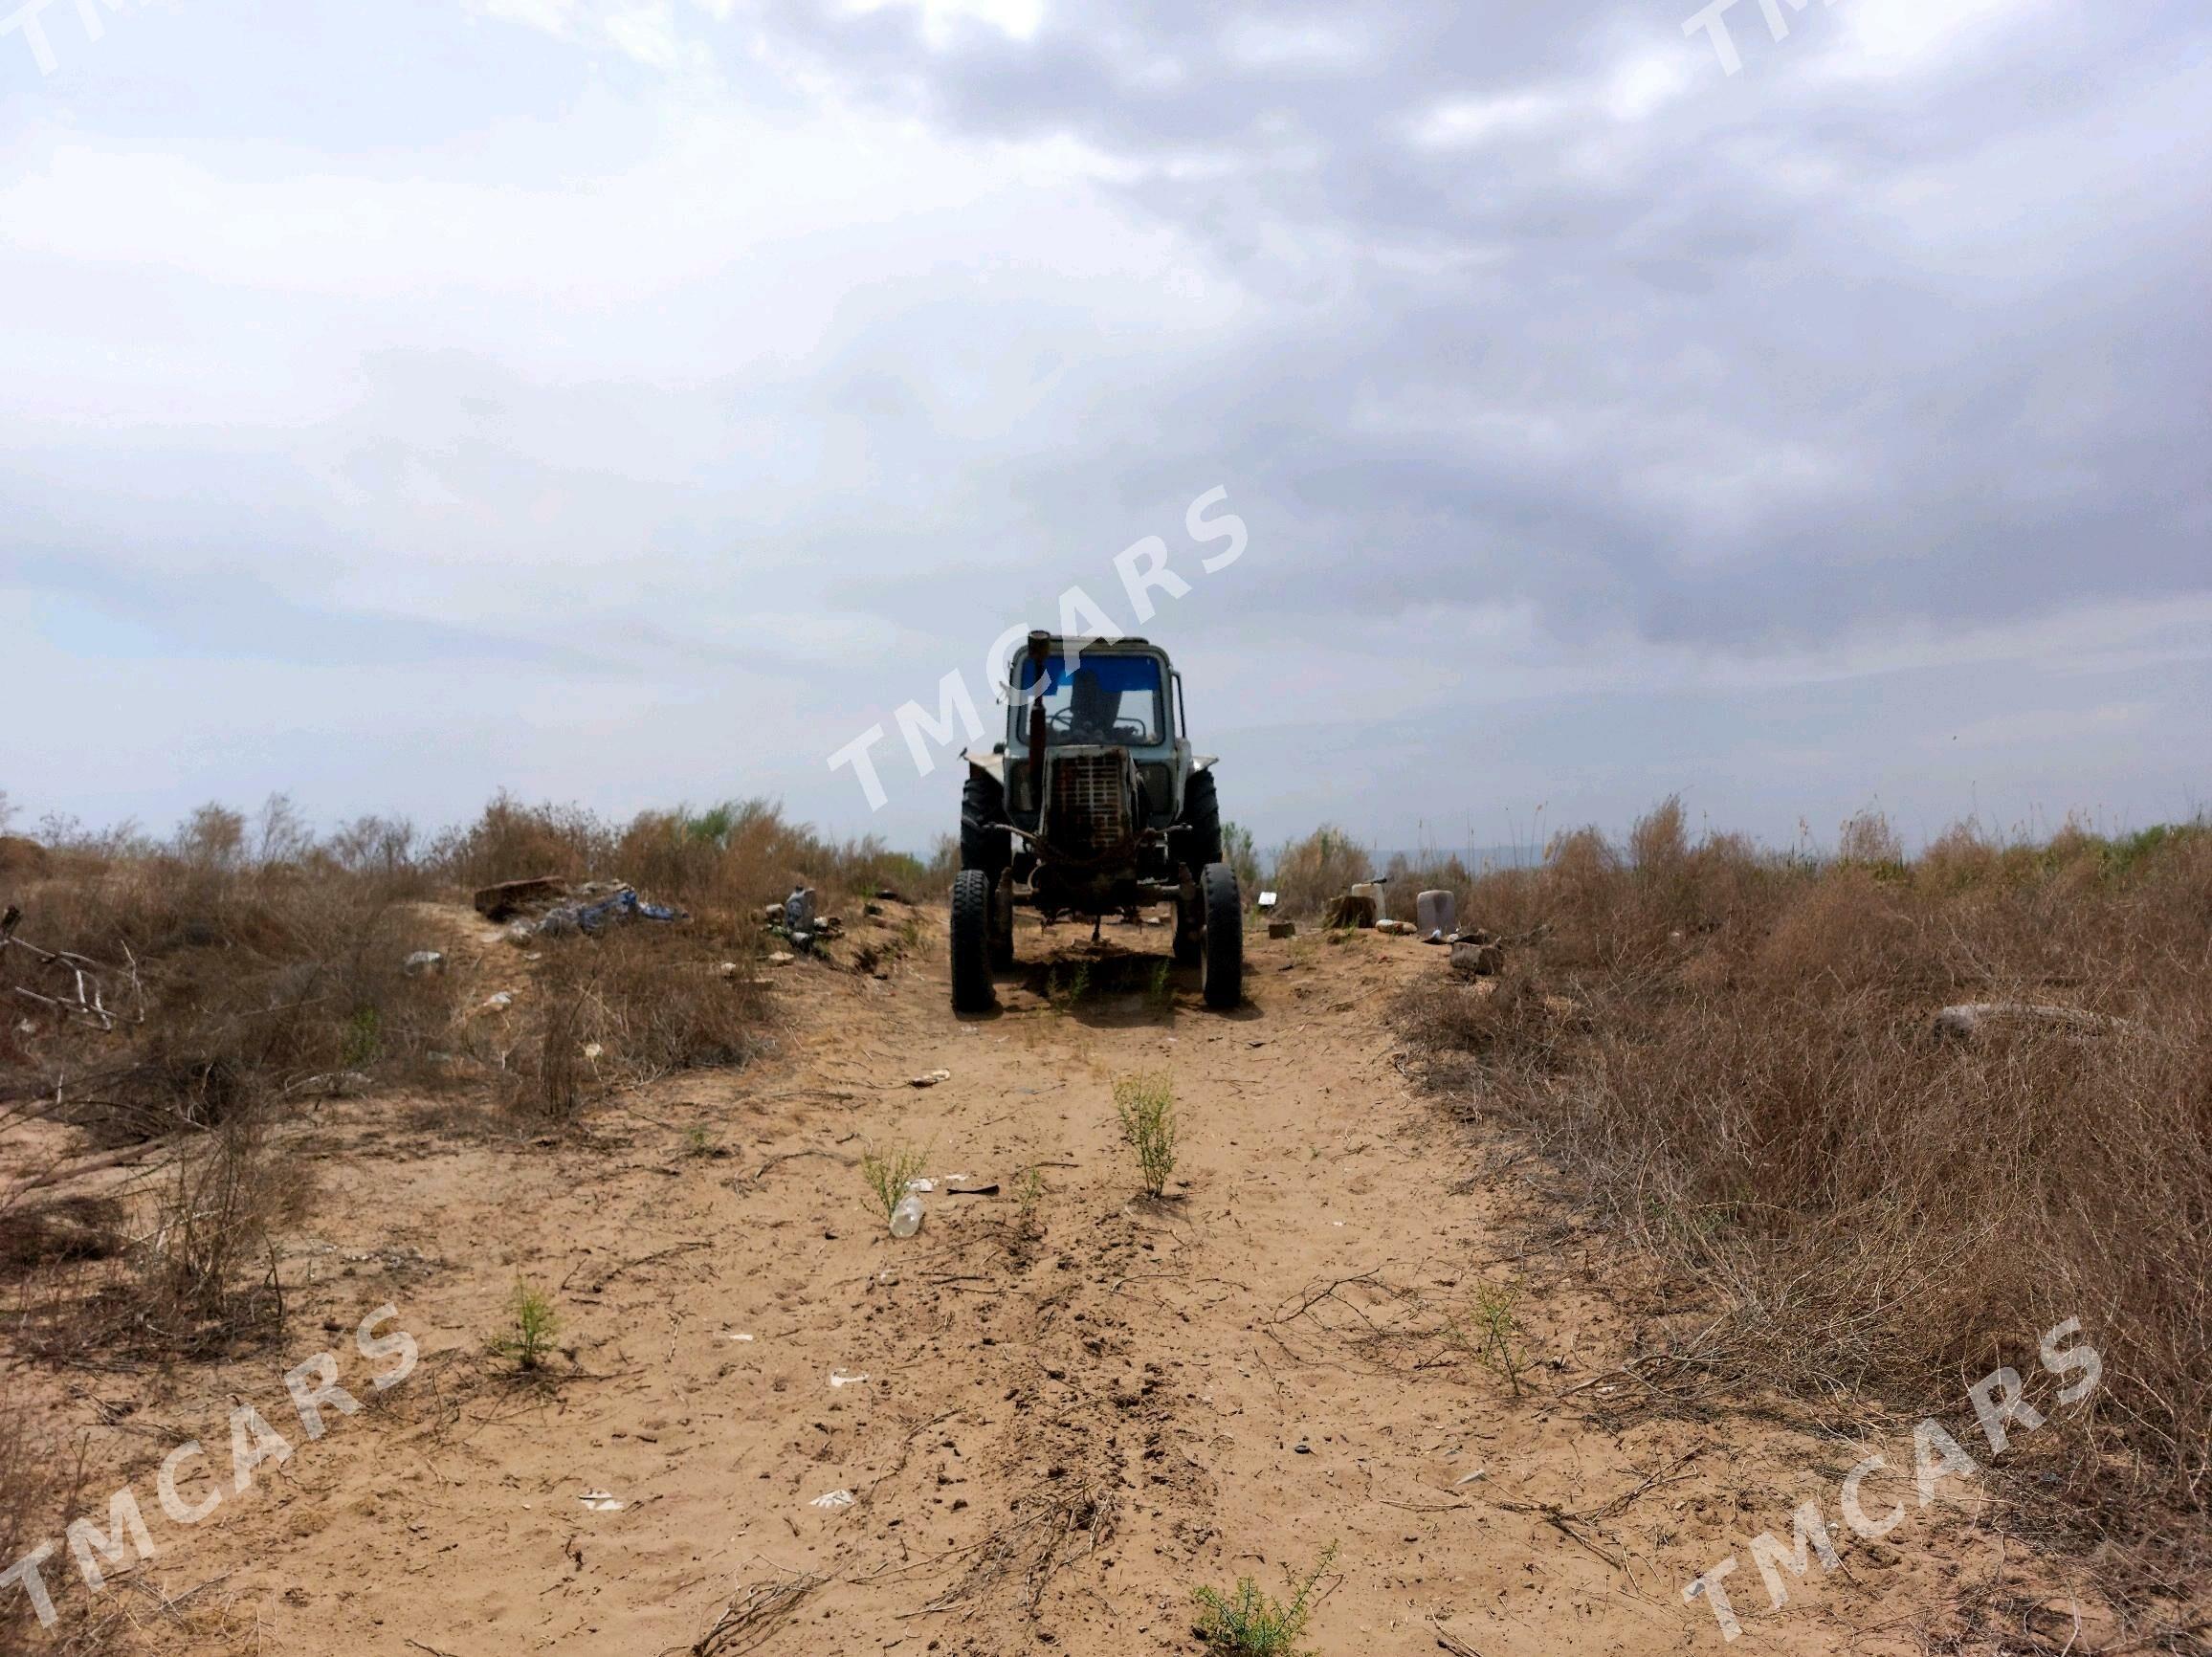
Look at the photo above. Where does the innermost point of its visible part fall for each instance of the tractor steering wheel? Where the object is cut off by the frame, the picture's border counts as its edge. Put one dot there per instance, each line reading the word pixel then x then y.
pixel 1131 731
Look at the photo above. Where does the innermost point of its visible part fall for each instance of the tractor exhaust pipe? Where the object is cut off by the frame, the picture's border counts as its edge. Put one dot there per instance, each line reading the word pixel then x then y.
pixel 1040 646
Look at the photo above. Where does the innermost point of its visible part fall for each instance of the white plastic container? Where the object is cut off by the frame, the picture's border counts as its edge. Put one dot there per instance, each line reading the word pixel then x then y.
pixel 1437 913
pixel 906 1218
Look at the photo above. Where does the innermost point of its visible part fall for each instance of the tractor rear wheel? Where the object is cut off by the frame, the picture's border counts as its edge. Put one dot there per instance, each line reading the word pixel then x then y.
pixel 1003 922
pixel 1221 968
pixel 971 941
pixel 1189 931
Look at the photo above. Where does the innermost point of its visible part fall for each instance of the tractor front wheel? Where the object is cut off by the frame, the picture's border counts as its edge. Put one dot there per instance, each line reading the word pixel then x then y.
pixel 971 941
pixel 1201 812
pixel 984 841
pixel 1221 965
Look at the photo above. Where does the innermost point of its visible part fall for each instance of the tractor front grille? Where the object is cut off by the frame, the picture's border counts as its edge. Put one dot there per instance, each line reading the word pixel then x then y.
pixel 1090 804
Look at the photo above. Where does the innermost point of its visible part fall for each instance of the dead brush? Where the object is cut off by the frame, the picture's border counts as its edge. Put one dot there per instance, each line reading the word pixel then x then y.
pixel 548 1076
pixel 754 1614
pixel 40 1485
pixel 1751 1089
pixel 36 1233
pixel 199 1279
pixel 626 1009
pixel 207 1272
pixel 255 981
pixel 1310 873
pixel 1049 1531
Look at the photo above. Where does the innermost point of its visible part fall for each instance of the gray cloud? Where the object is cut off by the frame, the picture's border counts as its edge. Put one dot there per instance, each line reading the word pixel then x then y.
pixel 1792 352
pixel 1602 422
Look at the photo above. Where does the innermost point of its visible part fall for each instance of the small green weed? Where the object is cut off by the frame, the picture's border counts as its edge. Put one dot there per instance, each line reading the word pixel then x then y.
pixel 1067 993
pixel 1492 1335
pixel 1028 1203
pixel 536 1325
pixel 1251 1623
pixel 362 1041
pixel 889 1173
pixel 1146 1106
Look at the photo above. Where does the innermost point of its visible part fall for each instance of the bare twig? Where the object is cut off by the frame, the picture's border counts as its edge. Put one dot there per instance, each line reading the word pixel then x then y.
pixel 750 1618
pixel 1451 1643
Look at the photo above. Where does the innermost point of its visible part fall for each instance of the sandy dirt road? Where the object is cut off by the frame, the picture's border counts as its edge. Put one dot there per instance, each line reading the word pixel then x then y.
pixel 1063 1429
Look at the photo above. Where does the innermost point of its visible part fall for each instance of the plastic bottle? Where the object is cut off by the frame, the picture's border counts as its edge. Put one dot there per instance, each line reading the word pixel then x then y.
pixel 906 1218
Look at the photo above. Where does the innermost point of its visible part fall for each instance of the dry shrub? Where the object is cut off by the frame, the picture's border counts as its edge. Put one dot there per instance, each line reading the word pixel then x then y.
pixel 1868 838
pixel 258 962
pixel 199 1277
pixel 25 1494
pixel 207 1272
pixel 724 859
pixel 1758 1095
pixel 1582 889
pixel 1310 872
pixel 238 979
pixel 512 841
pixel 1408 878
pixel 35 1233
pixel 1657 846
pixel 1504 1020
pixel 628 1007
pixel 1506 901
pixel 1848 930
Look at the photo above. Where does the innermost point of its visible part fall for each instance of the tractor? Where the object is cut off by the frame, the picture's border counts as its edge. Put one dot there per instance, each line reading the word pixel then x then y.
pixel 1094 805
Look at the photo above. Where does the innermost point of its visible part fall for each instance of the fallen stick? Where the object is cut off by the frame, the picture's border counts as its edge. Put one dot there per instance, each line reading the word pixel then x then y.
pixel 92 1164
pixel 1451 1643
pixel 1969 1019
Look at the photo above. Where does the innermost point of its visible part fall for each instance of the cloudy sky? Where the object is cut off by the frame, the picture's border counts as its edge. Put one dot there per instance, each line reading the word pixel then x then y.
pixel 635 401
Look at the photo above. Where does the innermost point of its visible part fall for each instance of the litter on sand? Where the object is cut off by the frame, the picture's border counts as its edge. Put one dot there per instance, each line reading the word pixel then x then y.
pixel 838 1377
pixel 593 917
pixel 551 907
pixel 602 1502
pixel 929 1078
pixel 832 1499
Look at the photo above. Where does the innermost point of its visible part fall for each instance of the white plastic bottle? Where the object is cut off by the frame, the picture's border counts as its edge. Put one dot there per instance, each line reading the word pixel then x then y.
pixel 906 1218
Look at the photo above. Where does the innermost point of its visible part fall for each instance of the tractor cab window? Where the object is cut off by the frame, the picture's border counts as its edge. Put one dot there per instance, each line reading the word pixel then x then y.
pixel 1106 698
